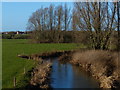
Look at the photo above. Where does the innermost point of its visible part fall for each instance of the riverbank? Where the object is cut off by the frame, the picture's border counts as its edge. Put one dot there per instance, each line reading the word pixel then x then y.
pixel 40 75
pixel 102 65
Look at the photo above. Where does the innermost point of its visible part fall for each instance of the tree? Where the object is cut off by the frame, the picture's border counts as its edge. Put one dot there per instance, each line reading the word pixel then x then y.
pixel 45 20
pixel 74 20
pixel 59 16
pixel 51 16
pixel 67 17
pixel 99 19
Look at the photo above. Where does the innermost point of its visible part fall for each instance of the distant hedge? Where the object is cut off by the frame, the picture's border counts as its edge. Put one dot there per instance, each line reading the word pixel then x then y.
pixel 7 36
pixel 56 36
pixel 21 36
pixel 15 36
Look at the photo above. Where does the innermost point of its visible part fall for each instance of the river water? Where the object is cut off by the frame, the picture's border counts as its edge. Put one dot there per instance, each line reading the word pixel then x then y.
pixel 66 75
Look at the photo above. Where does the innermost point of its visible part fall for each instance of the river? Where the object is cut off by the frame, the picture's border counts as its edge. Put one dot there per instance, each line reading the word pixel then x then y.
pixel 66 75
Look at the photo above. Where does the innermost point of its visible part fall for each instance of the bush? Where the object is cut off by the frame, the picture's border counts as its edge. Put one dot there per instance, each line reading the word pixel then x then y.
pixel 15 36
pixel 21 36
pixel 7 36
pixel 45 36
pixel 56 36
pixel 68 37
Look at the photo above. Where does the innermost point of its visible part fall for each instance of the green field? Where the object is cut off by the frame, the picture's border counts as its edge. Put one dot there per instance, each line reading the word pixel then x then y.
pixel 14 66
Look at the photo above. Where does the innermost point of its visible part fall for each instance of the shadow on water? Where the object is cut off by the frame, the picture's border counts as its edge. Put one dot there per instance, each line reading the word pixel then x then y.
pixel 65 75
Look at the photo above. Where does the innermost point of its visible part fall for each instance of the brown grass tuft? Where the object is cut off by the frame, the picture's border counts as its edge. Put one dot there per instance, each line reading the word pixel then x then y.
pixel 41 74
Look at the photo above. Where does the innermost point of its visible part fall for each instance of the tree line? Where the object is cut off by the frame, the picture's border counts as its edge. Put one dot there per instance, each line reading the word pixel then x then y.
pixel 50 18
pixel 96 22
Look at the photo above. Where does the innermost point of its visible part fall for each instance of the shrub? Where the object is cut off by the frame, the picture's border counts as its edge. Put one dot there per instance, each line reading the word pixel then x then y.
pixel 7 36
pixel 68 37
pixel 21 36
pixel 57 36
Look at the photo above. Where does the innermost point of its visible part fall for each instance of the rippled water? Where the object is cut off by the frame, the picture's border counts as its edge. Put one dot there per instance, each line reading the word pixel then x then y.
pixel 69 76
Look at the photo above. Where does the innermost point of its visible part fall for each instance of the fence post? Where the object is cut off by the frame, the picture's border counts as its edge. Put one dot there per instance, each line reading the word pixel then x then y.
pixel 14 81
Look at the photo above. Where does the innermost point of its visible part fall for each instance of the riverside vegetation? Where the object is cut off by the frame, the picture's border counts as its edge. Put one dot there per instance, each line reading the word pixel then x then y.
pixel 13 66
pixel 102 65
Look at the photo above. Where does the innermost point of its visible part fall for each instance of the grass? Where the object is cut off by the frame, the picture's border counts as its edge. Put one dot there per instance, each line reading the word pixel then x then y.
pixel 14 66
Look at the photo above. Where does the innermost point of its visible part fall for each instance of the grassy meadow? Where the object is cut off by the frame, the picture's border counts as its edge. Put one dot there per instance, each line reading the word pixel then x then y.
pixel 13 66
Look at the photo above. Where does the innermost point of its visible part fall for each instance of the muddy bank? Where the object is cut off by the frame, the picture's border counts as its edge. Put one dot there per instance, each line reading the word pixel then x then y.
pixel 103 65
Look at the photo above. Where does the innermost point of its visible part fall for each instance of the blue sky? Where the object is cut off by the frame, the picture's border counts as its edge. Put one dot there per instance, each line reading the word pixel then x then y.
pixel 16 14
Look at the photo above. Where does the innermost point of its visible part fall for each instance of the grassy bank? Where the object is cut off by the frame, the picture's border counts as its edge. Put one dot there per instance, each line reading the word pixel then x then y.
pixel 13 66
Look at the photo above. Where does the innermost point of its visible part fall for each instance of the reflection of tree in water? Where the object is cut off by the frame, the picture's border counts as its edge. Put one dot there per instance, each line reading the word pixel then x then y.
pixel 63 69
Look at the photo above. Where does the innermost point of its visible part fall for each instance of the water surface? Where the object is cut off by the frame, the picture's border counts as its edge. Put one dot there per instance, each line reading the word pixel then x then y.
pixel 70 76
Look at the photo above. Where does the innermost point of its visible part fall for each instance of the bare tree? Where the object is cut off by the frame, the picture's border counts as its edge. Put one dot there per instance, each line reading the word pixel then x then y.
pixel 67 17
pixel 59 21
pixel 51 16
pixel 35 22
pixel 45 19
pixel 98 18
pixel 55 20
pixel 74 20
pixel 59 10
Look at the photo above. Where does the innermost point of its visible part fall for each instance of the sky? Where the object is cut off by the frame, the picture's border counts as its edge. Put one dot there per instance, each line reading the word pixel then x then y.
pixel 15 15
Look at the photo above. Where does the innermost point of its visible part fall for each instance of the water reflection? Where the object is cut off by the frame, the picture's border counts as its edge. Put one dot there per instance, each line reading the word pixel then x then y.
pixel 68 76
